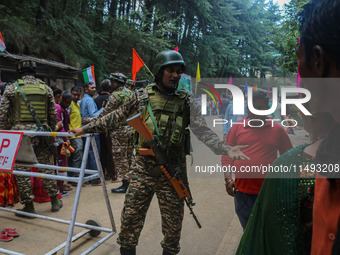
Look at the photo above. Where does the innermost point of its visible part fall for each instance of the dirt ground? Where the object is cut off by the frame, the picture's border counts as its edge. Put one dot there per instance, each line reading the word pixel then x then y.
pixel 220 231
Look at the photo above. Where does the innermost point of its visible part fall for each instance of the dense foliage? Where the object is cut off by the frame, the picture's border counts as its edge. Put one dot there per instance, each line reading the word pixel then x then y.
pixel 227 37
pixel 286 36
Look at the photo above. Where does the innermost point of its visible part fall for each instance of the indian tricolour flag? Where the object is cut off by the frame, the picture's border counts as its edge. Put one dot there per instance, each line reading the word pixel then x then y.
pixel 88 74
pixel 2 44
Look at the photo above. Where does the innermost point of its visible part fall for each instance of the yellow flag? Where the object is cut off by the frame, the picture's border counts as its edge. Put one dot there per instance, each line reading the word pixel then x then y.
pixel 198 74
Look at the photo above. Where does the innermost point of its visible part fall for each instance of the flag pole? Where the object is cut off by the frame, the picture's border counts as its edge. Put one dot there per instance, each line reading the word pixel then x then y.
pixel 149 70
pixel 12 55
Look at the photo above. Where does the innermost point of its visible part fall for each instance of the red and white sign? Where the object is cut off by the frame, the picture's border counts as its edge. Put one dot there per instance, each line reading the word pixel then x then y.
pixel 9 146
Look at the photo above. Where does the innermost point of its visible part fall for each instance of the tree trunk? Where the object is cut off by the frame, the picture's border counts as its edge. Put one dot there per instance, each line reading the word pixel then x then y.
pixel 83 10
pixel 128 6
pixel 148 14
pixel 64 8
pixel 43 5
pixel 113 9
pixel 99 12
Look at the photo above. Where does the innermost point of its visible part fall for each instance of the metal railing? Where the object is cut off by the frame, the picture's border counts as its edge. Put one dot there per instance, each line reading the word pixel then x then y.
pixel 91 226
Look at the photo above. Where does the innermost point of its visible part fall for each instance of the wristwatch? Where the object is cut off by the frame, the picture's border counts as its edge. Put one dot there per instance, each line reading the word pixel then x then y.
pixel 231 180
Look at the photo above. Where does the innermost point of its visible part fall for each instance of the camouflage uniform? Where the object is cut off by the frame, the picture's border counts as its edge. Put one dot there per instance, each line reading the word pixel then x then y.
pixel 146 179
pixel 45 157
pixel 120 137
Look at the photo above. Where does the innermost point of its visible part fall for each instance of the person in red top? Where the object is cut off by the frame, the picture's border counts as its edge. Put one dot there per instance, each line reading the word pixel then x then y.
pixel 265 138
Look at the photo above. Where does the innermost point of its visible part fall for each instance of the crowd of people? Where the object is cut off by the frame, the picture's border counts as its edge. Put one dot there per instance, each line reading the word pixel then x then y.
pixel 281 213
pixel 59 111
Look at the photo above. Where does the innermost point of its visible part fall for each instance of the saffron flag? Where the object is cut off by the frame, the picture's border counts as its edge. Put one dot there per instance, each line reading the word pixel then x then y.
pixel 254 88
pixel 176 49
pixel 231 80
pixel 2 44
pixel 88 74
pixel 198 73
pixel 137 64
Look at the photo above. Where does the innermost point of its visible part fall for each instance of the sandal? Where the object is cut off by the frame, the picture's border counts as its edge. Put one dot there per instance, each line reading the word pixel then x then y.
pixel 5 238
pixel 11 232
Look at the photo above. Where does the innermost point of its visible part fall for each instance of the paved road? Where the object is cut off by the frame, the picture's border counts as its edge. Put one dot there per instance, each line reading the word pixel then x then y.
pixel 219 235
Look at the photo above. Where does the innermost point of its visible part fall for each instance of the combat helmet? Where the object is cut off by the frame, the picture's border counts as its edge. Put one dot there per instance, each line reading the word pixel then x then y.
pixel 168 57
pixel 118 77
pixel 26 66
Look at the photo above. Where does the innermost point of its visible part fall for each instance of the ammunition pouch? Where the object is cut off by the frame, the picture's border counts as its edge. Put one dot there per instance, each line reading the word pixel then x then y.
pixel 187 143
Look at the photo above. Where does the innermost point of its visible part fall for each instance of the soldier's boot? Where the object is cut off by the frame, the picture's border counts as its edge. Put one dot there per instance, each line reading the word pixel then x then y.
pixel 56 204
pixel 124 251
pixel 29 207
pixel 166 252
pixel 122 189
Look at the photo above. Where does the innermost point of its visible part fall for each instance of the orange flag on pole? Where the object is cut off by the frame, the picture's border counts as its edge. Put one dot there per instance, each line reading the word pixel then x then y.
pixel 137 64
pixel 2 44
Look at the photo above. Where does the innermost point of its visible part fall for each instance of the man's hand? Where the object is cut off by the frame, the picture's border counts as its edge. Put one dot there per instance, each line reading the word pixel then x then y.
pixel 59 125
pixel 86 121
pixel 230 186
pixel 235 153
pixel 77 131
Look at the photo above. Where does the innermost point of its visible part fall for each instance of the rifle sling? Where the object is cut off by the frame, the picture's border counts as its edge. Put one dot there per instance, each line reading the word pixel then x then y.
pixel 152 116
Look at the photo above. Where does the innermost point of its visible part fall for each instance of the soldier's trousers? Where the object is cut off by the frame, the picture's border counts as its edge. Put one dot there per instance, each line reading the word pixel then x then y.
pixel 122 150
pixel 24 182
pixel 138 197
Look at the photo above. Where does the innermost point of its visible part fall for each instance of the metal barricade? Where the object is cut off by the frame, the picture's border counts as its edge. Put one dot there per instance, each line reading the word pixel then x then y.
pixel 92 227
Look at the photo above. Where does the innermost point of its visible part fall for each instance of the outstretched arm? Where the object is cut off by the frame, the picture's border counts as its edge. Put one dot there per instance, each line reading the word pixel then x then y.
pixel 199 127
pixel 108 121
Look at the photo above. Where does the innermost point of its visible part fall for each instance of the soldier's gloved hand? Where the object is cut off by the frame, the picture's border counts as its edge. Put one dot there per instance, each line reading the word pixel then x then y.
pixel 77 131
pixel 235 153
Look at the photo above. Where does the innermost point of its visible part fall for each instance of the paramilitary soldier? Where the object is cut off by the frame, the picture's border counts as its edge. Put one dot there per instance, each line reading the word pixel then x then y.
pixel 121 133
pixel 15 115
pixel 167 107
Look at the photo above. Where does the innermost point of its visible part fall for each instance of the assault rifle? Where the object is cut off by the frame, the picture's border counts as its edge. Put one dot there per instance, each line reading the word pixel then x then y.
pixel 160 152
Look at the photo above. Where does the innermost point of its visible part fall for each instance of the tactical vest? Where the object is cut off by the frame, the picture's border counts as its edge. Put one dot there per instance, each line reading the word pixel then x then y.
pixel 172 117
pixel 37 95
pixel 121 97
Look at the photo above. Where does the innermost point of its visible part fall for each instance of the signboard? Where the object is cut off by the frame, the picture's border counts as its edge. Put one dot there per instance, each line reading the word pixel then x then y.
pixel 9 145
